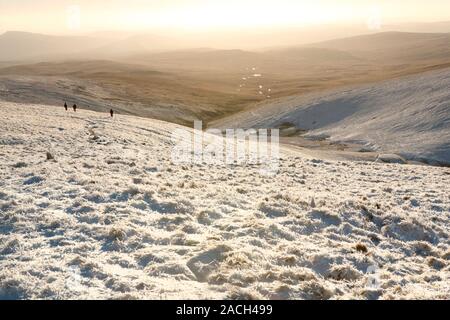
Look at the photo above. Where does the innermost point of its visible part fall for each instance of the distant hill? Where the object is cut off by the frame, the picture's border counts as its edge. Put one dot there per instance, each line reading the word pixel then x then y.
pixel 393 46
pixel 136 44
pixel 400 48
pixel 25 46
pixel 385 47
pixel 17 46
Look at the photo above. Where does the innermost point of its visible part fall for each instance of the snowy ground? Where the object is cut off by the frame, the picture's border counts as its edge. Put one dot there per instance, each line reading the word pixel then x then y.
pixel 112 217
pixel 408 116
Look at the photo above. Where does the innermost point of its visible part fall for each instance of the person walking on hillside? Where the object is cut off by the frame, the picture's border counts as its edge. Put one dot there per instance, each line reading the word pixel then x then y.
pixel 75 108
pixel 65 106
pixel 111 112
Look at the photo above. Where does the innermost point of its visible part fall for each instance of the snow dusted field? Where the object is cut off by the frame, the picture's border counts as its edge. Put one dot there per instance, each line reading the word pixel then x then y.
pixel 112 218
pixel 409 116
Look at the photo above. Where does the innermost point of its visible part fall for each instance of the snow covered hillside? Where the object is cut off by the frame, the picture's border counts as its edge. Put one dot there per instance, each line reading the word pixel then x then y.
pixel 407 116
pixel 111 217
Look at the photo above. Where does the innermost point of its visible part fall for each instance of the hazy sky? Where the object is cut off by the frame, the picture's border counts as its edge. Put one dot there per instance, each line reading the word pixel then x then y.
pixel 60 16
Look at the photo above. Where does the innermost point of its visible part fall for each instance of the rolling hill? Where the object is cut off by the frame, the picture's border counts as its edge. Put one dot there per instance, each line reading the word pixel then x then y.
pixel 389 47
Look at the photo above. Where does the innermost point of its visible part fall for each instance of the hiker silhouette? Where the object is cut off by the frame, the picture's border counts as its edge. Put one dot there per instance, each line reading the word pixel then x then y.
pixel 65 105
pixel 75 108
pixel 112 113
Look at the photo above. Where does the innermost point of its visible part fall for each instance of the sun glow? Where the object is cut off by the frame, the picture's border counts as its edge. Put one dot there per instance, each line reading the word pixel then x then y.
pixel 96 15
pixel 233 14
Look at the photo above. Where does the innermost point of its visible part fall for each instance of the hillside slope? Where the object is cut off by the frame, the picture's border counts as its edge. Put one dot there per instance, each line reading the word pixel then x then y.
pixel 112 217
pixel 409 116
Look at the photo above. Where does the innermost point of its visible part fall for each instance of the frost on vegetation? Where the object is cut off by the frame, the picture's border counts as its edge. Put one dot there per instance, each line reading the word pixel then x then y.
pixel 132 225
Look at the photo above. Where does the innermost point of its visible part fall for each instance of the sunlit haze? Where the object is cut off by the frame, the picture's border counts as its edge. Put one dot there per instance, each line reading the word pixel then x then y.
pixel 61 16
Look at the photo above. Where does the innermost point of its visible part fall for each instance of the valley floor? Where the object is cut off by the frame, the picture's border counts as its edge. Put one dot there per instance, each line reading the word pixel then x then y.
pixel 111 217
